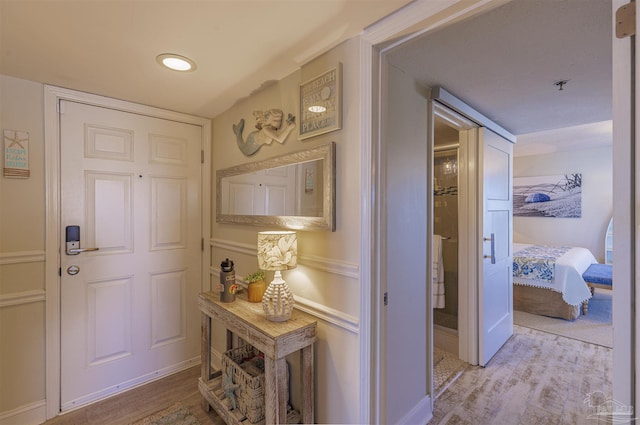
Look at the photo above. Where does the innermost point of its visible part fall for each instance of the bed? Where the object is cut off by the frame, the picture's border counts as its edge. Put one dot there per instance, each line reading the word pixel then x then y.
pixel 547 280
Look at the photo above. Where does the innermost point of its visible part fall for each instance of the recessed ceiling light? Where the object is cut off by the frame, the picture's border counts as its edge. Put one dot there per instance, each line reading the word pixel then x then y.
pixel 317 108
pixel 176 62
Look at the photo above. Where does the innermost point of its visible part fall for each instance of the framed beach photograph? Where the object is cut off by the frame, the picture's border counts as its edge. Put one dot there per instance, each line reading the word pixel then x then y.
pixel 548 196
pixel 321 104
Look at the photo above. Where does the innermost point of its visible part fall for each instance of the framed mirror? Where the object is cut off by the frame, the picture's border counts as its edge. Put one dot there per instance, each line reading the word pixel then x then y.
pixel 294 191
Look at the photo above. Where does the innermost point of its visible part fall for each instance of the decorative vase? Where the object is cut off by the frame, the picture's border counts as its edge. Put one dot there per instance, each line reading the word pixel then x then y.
pixel 256 291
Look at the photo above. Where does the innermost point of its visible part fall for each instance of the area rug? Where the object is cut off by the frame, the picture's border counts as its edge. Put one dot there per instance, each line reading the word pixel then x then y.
pixel 595 327
pixel 176 414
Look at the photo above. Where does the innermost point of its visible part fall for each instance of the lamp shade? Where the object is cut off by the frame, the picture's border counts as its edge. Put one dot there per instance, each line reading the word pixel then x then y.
pixel 277 250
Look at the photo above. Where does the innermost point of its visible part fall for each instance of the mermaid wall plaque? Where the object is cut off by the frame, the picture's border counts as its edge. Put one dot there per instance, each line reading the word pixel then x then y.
pixel 269 128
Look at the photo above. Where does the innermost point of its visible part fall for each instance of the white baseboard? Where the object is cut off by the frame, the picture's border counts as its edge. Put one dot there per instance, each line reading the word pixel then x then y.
pixel 422 413
pixel 29 414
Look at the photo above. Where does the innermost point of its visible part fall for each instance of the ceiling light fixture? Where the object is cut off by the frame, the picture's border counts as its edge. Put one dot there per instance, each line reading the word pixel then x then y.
pixel 176 62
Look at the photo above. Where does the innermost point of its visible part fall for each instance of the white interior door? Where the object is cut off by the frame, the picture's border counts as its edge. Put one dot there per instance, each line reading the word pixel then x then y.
pixel 132 185
pixel 495 291
pixel 269 192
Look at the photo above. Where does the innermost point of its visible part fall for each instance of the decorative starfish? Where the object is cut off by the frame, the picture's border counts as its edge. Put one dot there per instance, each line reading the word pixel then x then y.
pixel 229 387
pixel 16 140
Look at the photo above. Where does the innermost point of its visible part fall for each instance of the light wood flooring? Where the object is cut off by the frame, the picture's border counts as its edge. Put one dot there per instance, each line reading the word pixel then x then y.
pixel 140 402
pixel 536 378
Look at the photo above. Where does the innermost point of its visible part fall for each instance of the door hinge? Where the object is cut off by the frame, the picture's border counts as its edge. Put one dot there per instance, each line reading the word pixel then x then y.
pixel 60 107
pixel 385 298
pixel 201 157
pixel 626 20
pixel 60 271
pixel 202 244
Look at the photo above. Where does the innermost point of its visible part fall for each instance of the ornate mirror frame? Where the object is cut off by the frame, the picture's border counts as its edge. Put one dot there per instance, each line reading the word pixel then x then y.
pixel 328 219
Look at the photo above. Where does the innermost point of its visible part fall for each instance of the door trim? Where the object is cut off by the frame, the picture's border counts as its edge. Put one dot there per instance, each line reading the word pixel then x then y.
pixel 405 24
pixel 52 97
pixel 467 229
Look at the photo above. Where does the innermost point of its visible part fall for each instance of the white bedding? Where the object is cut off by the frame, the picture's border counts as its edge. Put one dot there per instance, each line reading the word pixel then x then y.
pixel 567 274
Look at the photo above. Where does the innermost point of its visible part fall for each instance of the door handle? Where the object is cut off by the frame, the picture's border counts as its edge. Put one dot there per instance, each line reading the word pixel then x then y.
pixel 73 241
pixel 493 248
pixel 73 248
pixel 76 251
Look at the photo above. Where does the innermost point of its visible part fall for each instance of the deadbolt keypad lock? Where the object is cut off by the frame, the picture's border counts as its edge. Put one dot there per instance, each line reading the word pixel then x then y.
pixel 73 241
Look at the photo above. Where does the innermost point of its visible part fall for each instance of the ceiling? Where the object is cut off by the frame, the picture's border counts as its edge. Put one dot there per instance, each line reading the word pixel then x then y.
pixel 110 47
pixel 504 63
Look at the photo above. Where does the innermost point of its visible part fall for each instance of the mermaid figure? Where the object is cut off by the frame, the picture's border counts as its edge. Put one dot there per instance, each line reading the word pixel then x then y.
pixel 268 129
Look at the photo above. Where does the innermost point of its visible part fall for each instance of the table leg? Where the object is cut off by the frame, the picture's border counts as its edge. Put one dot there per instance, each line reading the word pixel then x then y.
pixel 307 385
pixel 205 353
pixel 276 390
pixel 282 388
pixel 270 393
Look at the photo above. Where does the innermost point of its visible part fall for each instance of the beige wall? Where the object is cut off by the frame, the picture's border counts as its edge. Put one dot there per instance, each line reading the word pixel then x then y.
pixel 22 220
pixel 326 280
pixel 597 205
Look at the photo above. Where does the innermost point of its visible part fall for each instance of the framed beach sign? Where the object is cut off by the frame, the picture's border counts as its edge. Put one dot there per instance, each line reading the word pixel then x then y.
pixel 321 103
pixel 16 153
pixel 548 196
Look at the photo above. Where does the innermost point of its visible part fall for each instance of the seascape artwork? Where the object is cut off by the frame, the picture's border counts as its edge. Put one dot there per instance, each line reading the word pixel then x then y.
pixel 548 196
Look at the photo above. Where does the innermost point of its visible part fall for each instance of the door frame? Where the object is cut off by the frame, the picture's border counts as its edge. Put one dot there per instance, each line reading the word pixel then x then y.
pixel 405 24
pixel 52 97
pixel 467 229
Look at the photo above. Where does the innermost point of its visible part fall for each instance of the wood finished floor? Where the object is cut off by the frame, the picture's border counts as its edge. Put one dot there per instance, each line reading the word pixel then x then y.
pixel 536 378
pixel 140 402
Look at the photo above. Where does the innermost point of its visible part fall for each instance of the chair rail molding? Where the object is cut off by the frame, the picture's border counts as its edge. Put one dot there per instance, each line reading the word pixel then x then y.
pixel 328 265
pixel 18 257
pixel 24 297
pixel 321 311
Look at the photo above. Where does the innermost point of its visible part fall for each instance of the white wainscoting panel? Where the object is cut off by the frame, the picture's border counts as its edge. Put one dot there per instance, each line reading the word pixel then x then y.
pixel 322 312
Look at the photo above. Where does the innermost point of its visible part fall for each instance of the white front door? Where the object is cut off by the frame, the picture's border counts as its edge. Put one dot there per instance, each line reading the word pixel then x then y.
pixel 495 291
pixel 131 183
pixel 268 192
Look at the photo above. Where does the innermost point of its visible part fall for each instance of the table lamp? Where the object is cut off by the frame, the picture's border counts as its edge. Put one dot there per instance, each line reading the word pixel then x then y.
pixel 277 251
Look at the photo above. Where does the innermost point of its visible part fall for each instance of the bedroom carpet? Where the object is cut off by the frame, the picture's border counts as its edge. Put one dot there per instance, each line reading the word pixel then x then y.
pixel 535 378
pixel 595 327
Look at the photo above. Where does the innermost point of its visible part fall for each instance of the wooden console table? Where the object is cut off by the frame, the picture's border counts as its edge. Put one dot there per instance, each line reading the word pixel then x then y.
pixel 275 340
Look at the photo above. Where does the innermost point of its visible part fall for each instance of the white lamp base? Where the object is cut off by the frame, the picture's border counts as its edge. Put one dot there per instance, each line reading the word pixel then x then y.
pixel 277 300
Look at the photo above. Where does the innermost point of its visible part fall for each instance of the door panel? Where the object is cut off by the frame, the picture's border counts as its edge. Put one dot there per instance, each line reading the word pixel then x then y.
pixel 109 210
pixel 495 288
pixel 132 184
pixel 269 192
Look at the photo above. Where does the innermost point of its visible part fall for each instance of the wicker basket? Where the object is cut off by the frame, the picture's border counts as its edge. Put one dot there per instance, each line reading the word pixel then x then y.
pixel 248 372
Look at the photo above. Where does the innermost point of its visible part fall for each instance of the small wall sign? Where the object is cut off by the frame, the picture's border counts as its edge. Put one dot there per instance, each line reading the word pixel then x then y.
pixel 321 103
pixel 16 153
